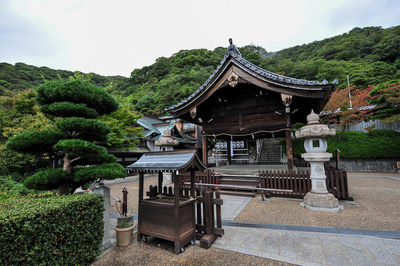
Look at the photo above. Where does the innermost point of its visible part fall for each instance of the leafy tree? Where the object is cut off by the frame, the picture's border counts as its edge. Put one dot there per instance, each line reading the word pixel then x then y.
pixel 339 106
pixel 75 104
pixel 123 134
pixel 387 98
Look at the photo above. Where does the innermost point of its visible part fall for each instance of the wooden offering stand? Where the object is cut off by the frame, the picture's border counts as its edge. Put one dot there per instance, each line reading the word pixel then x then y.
pixel 167 215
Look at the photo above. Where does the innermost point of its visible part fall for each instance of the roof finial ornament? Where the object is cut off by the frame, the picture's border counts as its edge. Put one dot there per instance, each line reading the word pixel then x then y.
pixel 232 48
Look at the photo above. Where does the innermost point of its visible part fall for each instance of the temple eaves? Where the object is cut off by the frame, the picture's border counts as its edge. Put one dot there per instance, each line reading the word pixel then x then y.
pixel 233 55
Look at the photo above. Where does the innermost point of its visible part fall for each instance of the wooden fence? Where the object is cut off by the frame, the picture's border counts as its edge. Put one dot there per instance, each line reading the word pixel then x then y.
pixel 208 211
pixel 336 182
pixel 207 177
pixel 300 182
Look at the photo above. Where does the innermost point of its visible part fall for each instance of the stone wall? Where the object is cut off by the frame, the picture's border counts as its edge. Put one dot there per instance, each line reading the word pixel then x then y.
pixel 367 165
pixel 105 191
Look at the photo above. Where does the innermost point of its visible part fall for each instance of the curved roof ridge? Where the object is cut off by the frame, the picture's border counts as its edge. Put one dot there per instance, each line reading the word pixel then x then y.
pixel 260 71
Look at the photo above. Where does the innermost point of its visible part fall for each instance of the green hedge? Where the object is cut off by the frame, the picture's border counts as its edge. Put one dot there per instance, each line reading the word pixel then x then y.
pixel 10 187
pixel 378 144
pixel 57 230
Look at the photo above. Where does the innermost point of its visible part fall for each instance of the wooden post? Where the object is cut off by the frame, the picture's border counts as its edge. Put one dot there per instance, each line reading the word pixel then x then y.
pixel 176 179
pixel 193 195
pixel 289 150
pixel 192 183
pixel 124 201
pixel 141 178
pixel 209 237
pixel 204 148
pixel 228 151
pixel 160 180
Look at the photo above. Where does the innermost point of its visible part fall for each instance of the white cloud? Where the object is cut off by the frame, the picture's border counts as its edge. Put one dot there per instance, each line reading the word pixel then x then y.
pixel 114 37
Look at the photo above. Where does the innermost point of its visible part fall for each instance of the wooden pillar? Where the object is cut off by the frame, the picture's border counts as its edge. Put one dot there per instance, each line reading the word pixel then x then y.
pixel 289 150
pixel 204 148
pixel 228 151
pixel 141 178
pixel 160 180
pixel 192 183
pixel 176 179
pixel 193 195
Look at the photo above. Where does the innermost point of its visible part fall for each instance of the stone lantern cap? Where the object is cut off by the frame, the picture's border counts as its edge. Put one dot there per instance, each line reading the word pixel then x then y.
pixel 314 129
pixel 166 139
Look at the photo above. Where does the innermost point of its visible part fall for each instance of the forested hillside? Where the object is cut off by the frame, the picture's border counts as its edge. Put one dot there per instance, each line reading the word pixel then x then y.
pixel 19 77
pixel 369 56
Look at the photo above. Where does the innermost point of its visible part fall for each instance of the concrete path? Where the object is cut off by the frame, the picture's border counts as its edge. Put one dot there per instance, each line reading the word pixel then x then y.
pixel 232 206
pixel 307 248
pixel 298 245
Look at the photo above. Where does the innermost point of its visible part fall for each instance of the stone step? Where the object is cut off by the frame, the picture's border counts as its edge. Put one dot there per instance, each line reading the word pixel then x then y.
pixel 238 193
pixel 239 182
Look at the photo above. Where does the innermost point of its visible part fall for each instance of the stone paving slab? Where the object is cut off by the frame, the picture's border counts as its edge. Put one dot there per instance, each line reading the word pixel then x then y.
pixel 309 248
pixel 232 206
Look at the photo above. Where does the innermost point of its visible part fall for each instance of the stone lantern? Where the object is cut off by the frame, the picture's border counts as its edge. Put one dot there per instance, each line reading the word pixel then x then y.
pixel 167 143
pixel 314 133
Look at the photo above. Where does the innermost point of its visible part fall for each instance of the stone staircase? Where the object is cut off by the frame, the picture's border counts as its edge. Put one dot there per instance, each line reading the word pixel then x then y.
pixel 271 152
pixel 239 185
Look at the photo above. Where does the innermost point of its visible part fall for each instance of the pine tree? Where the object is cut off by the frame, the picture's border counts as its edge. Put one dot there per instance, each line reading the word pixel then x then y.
pixel 74 104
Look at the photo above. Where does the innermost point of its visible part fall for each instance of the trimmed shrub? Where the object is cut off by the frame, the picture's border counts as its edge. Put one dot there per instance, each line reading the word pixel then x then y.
pixel 103 171
pixel 359 145
pixel 61 230
pixel 48 179
pixel 11 187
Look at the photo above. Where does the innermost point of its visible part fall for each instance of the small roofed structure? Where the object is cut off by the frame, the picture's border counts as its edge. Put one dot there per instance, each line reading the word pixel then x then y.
pixel 166 217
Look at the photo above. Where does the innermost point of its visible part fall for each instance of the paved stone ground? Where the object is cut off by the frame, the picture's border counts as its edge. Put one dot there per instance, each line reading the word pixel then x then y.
pixel 295 246
pixel 232 206
pixel 307 248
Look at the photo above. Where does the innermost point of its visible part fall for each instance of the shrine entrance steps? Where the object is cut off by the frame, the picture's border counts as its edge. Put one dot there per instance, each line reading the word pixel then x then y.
pixel 238 185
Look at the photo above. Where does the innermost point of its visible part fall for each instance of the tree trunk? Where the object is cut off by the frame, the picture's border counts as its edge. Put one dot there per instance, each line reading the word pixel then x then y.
pixel 63 189
pixel 67 163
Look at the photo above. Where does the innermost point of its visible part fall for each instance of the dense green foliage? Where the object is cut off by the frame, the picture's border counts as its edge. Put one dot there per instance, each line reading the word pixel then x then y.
pixel 359 145
pixel 62 230
pixel 369 56
pixel 387 98
pixel 48 179
pixel 74 135
pixel 20 77
pixel 10 187
pixel 76 91
pixel 35 142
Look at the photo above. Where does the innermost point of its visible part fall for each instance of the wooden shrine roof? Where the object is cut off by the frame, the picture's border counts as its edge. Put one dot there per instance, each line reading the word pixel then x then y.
pixel 233 62
pixel 167 161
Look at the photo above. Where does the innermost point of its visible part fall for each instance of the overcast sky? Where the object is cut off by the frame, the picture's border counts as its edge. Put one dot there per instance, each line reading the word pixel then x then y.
pixel 113 37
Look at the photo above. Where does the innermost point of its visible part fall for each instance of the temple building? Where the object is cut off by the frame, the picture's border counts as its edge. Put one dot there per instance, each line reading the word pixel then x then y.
pixel 241 103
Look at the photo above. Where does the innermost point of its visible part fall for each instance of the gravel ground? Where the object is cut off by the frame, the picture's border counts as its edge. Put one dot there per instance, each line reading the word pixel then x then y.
pixel 133 192
pixel 159 252
pixel 378 208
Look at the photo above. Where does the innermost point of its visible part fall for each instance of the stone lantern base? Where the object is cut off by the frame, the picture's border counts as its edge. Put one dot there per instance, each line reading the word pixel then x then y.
pixel 321 202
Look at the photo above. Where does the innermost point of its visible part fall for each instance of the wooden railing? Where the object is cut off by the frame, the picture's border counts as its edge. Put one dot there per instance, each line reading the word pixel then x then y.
pixel 336 182
pixel 300 182
pixel 206 229
pixel 207 176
